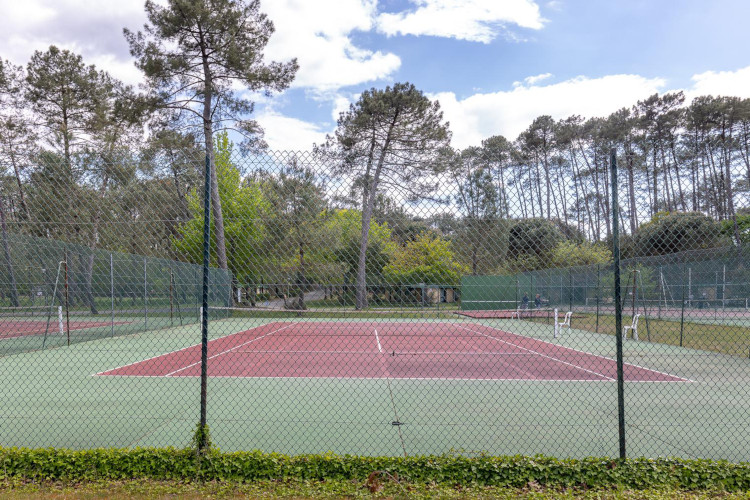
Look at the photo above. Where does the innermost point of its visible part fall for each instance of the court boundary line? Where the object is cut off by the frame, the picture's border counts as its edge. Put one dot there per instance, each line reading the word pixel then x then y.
pixel 178 350
pixel 575 350
pixel 540 354
pixel 233 348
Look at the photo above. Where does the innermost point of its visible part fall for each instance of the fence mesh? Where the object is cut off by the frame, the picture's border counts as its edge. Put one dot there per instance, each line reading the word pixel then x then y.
pixel 460 303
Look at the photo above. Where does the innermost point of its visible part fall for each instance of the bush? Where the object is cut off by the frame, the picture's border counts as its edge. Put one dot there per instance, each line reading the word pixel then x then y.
pixel 175 464
pixel 668 233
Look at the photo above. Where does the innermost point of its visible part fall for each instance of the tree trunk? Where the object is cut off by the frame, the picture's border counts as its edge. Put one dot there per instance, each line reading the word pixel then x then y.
pixel 631 195
pixel 221 248
pixel 368 203
pixel 8 262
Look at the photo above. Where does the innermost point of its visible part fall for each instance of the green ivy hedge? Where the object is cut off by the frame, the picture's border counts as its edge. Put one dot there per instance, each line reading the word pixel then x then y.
pixel 176 464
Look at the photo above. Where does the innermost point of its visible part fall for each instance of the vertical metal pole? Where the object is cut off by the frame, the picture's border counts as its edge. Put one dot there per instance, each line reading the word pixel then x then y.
pixel 618 305
pixel 724 288
pixel 67 299
pixel 643 303
pixel 145 295
pixel 598 278
pixel 171 301
pixel 570 289
pixel 204 316
pixel 690 287
pixel 112 289
pixel 682 312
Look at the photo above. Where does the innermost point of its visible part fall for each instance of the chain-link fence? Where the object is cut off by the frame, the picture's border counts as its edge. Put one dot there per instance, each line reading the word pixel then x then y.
pixel 463 303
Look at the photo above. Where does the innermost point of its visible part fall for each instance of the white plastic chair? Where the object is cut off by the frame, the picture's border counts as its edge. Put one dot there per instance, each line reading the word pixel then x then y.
pixel 633 328
pixel 565 322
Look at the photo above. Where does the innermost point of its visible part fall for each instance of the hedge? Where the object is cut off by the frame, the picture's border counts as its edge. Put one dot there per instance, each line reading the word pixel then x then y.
pixel 51 464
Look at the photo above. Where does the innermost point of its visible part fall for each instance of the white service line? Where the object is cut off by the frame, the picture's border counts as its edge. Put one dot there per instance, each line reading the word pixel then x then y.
pixel 380 348
pixel 230 350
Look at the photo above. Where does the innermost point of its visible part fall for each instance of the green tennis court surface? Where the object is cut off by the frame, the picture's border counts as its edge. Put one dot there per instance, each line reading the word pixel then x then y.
pixel 58 400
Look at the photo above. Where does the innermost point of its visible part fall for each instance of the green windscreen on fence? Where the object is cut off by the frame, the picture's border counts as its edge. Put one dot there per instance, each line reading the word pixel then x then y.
pixel 489 292
pixel 57 293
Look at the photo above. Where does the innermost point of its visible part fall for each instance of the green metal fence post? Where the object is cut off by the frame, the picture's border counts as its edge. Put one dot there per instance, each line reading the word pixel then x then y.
pixel 204 296
pixel 618 306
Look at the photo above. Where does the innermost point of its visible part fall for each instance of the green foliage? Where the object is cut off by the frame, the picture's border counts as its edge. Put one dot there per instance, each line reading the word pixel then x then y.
pixel 668 233
pixel 243 206
pixel 570 254
pixel 201 441
pixel 533 237
pixel 52 464
pixel 200 54
pixel 428 259
pixel 743 225
pixel 343 230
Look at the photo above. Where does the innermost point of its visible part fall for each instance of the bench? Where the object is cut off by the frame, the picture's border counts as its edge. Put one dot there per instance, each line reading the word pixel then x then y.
pixel 632 327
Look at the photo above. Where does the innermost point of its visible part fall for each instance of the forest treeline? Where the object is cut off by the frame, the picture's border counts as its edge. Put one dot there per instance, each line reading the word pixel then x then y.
pixel 89 160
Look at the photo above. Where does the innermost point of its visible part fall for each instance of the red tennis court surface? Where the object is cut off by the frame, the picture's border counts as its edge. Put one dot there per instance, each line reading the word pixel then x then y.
pixel 387 350
pixel 22 328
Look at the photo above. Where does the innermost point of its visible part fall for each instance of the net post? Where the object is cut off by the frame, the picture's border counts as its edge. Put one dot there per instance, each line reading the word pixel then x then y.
pixel 60 320
pixel 556 326
pixel 618 305
pixel 67 298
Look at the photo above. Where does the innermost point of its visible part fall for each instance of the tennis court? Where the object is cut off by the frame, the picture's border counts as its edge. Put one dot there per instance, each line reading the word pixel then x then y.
pixel 377 385
pixel 394 350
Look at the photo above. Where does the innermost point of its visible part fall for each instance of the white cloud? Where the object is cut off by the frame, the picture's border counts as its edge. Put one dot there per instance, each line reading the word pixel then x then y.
pixel 508 113
pixel 472 20
pixel 319 34
pixel 91 28
pixel 532 80
pixel 726 83
pixel 284 133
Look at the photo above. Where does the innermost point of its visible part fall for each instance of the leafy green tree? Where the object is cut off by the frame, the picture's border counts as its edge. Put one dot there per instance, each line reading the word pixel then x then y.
pixel 391 138
pixel 17 135
pixel 245 210
pixel 341 234
pixel 668 233
pixel 299 210
pixel 194 54
pixel 482 239
pixel 429 259
pixel 67 96
pixel 533 237
pixel 571 253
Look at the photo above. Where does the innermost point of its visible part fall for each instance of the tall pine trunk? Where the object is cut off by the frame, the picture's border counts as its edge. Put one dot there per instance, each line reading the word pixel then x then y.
pixel 221 247
pixel 8 262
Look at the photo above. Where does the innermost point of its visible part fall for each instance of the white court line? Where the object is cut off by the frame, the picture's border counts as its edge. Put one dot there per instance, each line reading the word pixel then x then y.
pixel 578 351
pixel 538 353
pixel 178 350
pixel 512 366
pixel 380 348
pixel 230 350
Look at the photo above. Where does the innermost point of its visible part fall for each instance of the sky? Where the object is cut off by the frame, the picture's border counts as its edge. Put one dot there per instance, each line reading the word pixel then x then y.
pixel 494 65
